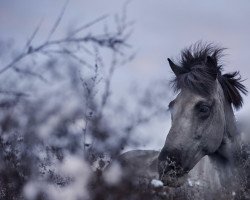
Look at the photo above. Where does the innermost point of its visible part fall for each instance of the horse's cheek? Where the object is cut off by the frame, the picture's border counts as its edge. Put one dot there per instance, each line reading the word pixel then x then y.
pixel 212 138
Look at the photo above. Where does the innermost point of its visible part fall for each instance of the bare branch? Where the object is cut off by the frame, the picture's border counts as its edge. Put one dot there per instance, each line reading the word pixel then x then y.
pixel 33 35
pixel 13 62
pixel 58 20
pixel 111 42
pixel 107 92
pixel 28 72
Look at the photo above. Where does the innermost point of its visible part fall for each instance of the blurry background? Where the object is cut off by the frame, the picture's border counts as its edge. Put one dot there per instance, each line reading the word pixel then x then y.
pixel 84 78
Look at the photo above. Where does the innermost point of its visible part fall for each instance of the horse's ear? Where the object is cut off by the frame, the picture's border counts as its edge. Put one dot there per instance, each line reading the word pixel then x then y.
pixel 212 66
pixel 175 68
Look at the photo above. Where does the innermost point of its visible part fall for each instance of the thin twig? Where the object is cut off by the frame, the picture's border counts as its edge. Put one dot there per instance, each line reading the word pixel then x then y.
pixel 13 62
pixel 28 72
pixel 33 35
pixel 107 92
pixel 84 135
pixel 56 24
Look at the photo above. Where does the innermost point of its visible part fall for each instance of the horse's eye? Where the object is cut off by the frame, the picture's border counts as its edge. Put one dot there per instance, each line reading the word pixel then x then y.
pixel 204 109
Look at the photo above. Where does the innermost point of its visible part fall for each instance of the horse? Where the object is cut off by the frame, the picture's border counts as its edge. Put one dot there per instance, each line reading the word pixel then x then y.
pixel 203 140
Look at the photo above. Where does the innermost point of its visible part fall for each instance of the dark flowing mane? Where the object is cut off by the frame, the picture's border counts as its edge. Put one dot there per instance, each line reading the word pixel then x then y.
pixel 198 76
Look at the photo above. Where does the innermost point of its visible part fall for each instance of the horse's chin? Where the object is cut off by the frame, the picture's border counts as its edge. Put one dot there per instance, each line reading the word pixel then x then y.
pixel 174 181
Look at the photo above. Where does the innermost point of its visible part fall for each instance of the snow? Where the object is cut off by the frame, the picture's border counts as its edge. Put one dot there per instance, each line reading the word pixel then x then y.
pixel 156 183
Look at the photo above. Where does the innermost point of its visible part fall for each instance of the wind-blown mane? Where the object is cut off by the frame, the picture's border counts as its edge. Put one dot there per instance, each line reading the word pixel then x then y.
pixel 199 76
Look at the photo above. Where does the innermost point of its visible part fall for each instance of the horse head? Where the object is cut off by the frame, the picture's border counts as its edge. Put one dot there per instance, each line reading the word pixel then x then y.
pixel 199 113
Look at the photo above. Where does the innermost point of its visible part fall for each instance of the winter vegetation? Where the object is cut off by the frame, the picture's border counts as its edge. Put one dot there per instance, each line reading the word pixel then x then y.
pixel 60 125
